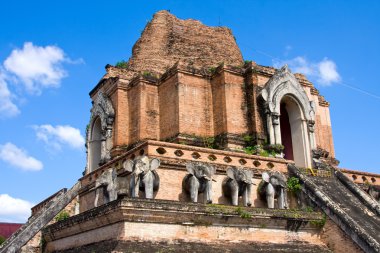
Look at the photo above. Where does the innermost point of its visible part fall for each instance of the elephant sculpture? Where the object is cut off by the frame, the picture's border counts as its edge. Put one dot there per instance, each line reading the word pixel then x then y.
pixel 143 176
pixel 238 183
pixel 273 186
pixel 199 180
pixel 106 184
pixel 374 192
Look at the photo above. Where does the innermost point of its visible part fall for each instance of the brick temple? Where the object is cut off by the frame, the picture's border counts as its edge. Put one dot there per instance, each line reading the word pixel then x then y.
pixel 187 101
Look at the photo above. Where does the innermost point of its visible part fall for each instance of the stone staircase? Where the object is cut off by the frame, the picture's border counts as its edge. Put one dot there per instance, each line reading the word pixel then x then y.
pixel 346 204
pixel 35 223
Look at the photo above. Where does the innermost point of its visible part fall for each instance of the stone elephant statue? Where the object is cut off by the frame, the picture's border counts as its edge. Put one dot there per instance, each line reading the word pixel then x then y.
pixel 238 183
pixel 374 191
pixel 273 186
pixel 199 180
pixel 143 176
pixel 107 185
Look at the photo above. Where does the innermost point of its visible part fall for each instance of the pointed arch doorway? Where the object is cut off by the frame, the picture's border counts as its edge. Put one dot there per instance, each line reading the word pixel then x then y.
pixel 294 132
pixel 290 117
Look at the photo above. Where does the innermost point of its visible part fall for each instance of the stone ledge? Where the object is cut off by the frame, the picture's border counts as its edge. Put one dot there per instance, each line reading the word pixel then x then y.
pixel 194 247
pixel 181 213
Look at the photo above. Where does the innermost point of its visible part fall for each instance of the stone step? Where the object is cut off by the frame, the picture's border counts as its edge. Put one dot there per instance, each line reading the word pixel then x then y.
pixel 39 220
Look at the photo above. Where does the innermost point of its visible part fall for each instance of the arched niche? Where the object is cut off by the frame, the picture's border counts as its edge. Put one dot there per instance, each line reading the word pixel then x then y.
pixel 294 134
pixel 99 133
pixel 95 145
pixel 284 92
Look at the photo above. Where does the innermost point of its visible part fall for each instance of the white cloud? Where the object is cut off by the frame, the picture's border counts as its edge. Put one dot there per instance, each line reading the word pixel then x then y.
pixel 328 72
pixel 13 209
pixel 7 107
pixel 37 67
pixel 58 135
pixel 325 72
pixel 19 158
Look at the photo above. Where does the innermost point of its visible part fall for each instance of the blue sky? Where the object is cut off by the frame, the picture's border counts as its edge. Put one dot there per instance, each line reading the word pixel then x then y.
pixel 52 53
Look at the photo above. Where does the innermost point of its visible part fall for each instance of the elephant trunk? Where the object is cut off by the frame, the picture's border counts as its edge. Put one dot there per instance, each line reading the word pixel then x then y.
pixel 193 188
pixel 148 181
pixel 270 191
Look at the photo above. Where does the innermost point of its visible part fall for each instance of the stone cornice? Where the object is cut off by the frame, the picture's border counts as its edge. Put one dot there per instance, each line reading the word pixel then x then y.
pixel 182 213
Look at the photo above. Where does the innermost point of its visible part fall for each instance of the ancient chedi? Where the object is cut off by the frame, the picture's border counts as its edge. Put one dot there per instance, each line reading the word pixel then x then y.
pixel 192 149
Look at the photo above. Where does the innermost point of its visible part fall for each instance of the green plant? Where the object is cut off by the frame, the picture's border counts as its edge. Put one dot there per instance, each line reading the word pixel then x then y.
pixel 2 239
pixel 276 148
pixel 209 142
pixel 63 215
pixel 265 153
pixel 319 223
pixel 247 138
pixel 212 70
pixel 247 61
pixel 253 150
pixel 122 64
pixel 294 185
pixel 243 214
pixel 147 74
pixel 308 209
pixel 249 150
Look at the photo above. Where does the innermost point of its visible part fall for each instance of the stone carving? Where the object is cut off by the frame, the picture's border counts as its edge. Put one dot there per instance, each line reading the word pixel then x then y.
pixel 199 180
pixel 283 86
pixel 284 82
pixel 322 159
pixel 238 183
pixel 143 176
pixel 373 191
pixel 102 109
pixel 319 155
pixel 311 126
pixel 273 186
pixel 106 185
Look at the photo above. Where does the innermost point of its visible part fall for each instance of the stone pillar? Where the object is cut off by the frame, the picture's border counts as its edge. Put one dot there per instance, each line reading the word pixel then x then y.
pixel 270 128
pixel 103 145
pixel 108 141
pixel 311 129
pixel 276 127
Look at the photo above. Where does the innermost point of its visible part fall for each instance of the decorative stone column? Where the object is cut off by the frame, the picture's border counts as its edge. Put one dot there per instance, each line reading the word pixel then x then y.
pixel 311 129
pixel 272 139
pixel 276 127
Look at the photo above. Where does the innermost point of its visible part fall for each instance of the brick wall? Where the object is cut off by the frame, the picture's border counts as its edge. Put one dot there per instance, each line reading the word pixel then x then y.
pixel 168 105
pixel 337 240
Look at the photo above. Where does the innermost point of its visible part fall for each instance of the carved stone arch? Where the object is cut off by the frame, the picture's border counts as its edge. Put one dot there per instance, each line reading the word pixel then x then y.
pixel 102 112
pixel 284 86
pixel 282 83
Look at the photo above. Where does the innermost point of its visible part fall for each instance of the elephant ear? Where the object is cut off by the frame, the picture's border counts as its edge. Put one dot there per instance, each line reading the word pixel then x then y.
pixel 279 179
pixel 154 163
pixel 231 173
pixel 249 173
pixel 274 181
pixel 190 168
pixel 128 165
pixel 265 177
pixel 211 170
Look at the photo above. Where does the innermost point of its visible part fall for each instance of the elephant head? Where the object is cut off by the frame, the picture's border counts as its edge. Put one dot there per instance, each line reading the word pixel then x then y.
pixel 199 180
pixel 273 186
pixel 107 186
pixel 374 192
pixel 143 176
pixel 238 183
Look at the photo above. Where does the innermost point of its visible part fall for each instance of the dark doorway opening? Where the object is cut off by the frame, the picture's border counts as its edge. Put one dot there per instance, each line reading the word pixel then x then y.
pixel 286 133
